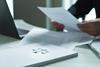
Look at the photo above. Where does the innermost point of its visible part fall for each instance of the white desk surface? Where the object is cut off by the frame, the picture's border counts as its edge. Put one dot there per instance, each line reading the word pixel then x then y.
pixel 86 58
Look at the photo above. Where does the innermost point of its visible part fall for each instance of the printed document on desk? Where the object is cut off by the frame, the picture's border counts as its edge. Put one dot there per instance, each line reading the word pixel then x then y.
pixel 61 15
pixel 33 55
pixel 46 38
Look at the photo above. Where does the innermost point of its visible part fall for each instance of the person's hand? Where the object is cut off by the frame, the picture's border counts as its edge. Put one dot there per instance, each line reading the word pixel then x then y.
pixel 58 26
pixel 91 27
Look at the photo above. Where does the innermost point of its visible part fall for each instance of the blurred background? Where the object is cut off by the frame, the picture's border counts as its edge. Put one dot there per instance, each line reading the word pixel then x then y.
pixel 27 10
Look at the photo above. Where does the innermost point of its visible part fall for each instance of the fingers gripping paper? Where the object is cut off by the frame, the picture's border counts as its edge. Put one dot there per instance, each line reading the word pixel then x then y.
pixel 62 16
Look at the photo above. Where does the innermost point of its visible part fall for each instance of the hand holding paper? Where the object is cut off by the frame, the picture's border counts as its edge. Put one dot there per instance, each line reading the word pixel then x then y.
pixel 62 16
pixel 58 26
pixel 92 27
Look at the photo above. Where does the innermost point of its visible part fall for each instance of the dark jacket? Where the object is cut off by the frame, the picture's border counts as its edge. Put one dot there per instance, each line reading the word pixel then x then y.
pixel 83 7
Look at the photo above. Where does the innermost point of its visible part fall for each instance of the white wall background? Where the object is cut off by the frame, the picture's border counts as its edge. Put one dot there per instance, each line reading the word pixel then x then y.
pixel 68 3
pixel 10 5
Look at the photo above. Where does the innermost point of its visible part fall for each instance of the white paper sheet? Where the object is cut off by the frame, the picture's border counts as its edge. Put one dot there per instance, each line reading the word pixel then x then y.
pixel 61 15
pixel 63 39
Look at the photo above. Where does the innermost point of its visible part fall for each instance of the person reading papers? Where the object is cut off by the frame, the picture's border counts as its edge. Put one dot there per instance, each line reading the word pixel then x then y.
pixel 80 9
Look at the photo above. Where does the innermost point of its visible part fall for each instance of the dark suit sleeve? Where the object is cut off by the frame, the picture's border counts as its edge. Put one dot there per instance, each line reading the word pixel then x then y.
pixel 81 8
